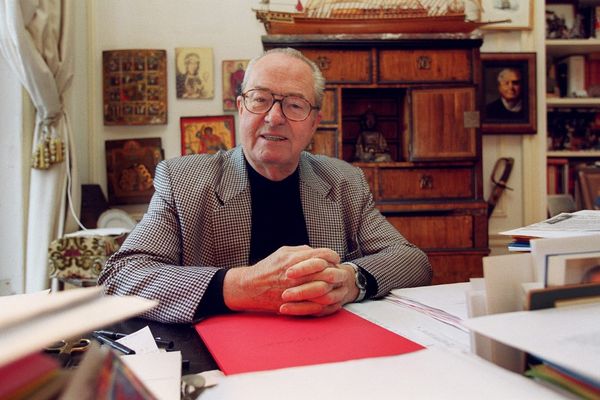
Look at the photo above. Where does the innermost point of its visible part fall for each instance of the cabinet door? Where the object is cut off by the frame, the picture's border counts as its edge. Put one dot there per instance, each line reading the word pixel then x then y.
pixel 444 124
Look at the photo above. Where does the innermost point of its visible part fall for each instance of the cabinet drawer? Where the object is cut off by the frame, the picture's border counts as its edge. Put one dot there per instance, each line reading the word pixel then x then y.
pixel 342 66
pixel 425 65
pixel 436 231
pixel 425 183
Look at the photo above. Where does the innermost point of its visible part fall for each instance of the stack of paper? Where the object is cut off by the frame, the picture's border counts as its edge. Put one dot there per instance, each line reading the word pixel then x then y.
pixel 564 225
pixel 30 322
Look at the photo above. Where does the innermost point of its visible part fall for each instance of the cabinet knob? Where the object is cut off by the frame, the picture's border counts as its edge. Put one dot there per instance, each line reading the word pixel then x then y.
pixel 424 62
pixel 323 63
pixel 426 182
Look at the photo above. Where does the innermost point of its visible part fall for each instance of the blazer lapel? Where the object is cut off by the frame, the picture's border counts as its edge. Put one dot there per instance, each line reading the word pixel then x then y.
pixel 232 219
pixel 322 214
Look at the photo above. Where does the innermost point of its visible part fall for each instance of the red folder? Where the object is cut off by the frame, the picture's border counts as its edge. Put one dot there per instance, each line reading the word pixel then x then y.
pixel 247 342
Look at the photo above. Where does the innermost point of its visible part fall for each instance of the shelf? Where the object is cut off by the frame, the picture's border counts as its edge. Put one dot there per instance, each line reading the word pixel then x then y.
pixel 573 154
pixel 565 47
pixel 573 101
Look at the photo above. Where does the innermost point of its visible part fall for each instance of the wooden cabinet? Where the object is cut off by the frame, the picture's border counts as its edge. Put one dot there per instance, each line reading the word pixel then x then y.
pixel 424 91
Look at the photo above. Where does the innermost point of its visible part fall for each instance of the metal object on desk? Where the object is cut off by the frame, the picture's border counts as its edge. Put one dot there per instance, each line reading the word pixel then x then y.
pixel 191 386
pixel 65 348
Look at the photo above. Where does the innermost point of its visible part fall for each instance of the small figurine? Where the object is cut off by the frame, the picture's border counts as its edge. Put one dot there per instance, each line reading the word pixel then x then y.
pixel 371 145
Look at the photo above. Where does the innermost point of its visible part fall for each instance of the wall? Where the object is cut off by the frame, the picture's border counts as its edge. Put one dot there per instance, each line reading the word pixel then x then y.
pixel 11 176
pixel 229 27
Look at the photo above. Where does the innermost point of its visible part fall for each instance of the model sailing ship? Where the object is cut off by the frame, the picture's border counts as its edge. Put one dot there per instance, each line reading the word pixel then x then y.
pixel 374 16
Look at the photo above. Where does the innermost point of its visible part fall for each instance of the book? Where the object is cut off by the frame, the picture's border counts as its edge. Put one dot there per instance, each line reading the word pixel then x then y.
pixel 248 342
pixel 574 68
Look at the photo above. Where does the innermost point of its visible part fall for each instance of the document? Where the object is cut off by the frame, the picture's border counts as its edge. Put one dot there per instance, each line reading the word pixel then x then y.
pixel 567 336
pixel 426 374
pixel 579 223
pixel 248 342
pixel 30 322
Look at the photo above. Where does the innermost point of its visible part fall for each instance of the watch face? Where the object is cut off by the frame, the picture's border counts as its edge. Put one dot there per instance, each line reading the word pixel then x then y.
pixel 361 281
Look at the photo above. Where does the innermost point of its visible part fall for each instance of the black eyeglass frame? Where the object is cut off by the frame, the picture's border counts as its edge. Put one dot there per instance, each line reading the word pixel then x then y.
pixel 280 101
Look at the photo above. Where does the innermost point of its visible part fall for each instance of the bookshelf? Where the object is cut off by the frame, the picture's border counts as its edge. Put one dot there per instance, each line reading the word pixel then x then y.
pixel 573 123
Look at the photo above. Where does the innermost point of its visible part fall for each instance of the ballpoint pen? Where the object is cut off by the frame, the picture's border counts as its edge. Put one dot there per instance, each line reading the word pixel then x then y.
pixel 115 345
pixel 168 344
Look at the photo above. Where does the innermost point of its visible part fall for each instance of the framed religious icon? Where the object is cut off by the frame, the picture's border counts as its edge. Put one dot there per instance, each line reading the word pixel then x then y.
pixel 130 166
pixel 194 73
pixel 509 93
pixel 517 14
pixel 207 134
pixel 233 75
pixel 134 87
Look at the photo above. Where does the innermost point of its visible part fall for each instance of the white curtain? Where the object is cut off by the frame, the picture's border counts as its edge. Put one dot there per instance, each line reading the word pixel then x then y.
pixel 36 40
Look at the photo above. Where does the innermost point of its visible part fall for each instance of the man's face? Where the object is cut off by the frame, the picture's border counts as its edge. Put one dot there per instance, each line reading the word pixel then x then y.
pixel 509 85
pixel 270 141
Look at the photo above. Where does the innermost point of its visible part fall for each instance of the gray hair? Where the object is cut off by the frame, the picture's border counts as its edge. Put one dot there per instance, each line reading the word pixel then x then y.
pixel 319 80
pixel 505 71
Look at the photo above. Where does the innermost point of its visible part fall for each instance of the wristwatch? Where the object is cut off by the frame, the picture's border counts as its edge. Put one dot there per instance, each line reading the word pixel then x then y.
pixel 361 282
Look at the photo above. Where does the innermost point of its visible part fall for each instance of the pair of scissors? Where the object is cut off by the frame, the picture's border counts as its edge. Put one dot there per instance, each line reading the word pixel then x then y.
pixel 65 348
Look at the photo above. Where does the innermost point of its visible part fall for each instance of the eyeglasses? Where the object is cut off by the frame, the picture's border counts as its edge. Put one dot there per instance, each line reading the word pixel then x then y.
pixel 260 101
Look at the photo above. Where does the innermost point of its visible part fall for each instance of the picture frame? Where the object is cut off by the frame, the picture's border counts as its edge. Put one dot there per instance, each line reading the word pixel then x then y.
pixel 134 87
pixel 560 18
pixel 233 74
pixel 194 76
pixel 501 91
pixel 207 134
pixel 589 185
pixel 518 12
pixel 130 167
pixel 572 268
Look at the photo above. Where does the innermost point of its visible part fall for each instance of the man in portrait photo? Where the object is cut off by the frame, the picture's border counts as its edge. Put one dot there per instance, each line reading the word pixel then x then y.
pixel 508 105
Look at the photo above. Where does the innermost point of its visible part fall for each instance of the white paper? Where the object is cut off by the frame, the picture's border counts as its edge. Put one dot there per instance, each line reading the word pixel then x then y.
pixel 71 319
pixel 23 307
pixel 424 374
pixel 449 298
pixel 504 276
pixel 159 371
pixel 566 336
pixel 141 341
pixel 561 226
pixel 411 324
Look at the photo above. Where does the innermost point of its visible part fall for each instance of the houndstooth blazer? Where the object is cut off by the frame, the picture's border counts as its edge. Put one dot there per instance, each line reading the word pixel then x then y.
pixel 199 221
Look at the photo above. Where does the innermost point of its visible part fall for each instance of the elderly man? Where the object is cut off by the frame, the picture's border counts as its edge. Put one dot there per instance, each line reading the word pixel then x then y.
pixel 266 226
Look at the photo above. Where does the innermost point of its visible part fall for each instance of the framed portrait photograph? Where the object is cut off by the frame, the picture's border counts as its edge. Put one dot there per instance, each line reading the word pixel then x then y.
pixel 194 78
pixel 207 134
pixel 233 75
pixel 508 93
pixel 518 14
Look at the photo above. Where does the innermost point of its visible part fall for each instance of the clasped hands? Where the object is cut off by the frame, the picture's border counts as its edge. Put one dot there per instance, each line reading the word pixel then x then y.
pixel 294 280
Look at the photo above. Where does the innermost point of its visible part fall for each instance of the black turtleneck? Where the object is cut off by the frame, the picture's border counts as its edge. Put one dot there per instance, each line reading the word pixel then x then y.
pixel 277 216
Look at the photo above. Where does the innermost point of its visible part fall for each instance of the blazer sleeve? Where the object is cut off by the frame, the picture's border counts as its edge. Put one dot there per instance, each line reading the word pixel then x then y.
pixel 383 252
pixel 149 263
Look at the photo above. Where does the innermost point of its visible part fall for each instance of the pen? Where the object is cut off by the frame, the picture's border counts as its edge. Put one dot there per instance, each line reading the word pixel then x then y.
pixel 117 335
pixel 115 345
